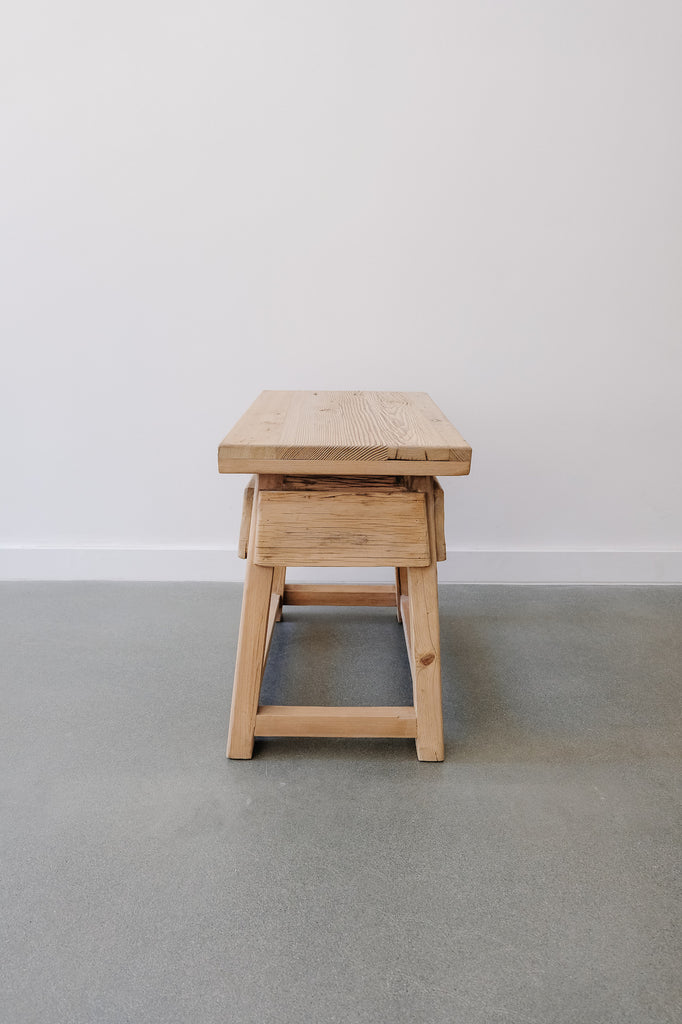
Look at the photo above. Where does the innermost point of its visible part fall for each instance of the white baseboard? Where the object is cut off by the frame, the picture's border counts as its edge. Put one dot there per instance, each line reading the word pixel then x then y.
pixel 222 565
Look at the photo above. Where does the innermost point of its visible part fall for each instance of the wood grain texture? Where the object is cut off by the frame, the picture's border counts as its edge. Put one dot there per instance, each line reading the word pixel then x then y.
pixel 396 590
pixel 258 431
pixel 341 594
pixel 439 520
pixel 355 484
pixel 424 651
pixel 329 528
pixel 360 428
pixel 380 520
pixel 273 720
pixel 423 632
pixel 320 467
pixel 253 627
pixel 245 526
pixel 405 618
pixel 278 581
pixel 275 602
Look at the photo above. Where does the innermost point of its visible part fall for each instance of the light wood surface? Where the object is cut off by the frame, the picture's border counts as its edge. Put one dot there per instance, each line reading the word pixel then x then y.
pixel 405 619
pixel 275 602
pixel 278 581
pixel 424 644
pixel 283 720
pixel 320 467
pixel 366 595
pixel 330 528
pixel 361 484
pixel 344 432
pixel 439 520
pixel 293 520
pixel 248 673
pixel 245 526
pixel 355 485
pixel 400 590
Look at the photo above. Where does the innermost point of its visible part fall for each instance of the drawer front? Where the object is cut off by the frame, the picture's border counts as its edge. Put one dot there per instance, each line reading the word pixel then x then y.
pixel 336 528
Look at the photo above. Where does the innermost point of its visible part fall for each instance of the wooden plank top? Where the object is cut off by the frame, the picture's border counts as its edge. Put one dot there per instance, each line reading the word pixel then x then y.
pixel 345 432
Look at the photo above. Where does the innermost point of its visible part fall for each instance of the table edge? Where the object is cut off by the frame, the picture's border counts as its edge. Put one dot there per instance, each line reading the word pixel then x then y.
pixel 330 467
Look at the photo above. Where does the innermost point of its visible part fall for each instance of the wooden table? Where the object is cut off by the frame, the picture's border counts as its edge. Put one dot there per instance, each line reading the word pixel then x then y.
pixel 342 478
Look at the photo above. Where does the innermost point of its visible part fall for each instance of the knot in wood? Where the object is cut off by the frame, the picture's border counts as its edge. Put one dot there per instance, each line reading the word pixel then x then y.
pixel 427 659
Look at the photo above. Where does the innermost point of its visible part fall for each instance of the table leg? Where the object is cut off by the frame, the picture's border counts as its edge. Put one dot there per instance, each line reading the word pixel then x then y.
pixel 253 628
pixel 278 582
pixel 425 660
pixel 424 629
pixel 400 590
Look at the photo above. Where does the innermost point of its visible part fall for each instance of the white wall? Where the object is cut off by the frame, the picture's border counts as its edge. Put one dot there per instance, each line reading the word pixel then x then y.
pixel 204 199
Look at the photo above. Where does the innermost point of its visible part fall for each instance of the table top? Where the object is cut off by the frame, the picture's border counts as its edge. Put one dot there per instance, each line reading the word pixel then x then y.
pixel 345 433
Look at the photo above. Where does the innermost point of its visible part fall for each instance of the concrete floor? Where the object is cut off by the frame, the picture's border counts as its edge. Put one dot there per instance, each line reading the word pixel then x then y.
pixel 532 877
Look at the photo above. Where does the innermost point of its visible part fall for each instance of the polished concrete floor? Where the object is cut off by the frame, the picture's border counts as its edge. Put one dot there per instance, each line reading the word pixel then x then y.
pixel 532 877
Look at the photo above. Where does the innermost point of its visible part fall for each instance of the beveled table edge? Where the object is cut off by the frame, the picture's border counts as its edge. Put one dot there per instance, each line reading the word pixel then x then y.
pixel 329 467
